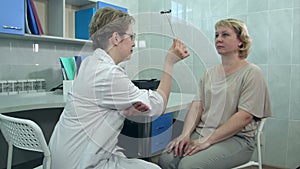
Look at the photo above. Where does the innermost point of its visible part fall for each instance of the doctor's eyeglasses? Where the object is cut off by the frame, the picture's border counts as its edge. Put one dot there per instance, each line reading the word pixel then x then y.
pixel 132 36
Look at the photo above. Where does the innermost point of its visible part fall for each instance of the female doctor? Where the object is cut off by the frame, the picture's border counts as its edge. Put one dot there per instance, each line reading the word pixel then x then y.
pixel 86 133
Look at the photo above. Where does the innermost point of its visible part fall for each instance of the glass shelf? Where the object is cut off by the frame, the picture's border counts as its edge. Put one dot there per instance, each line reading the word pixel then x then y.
pixel 45 38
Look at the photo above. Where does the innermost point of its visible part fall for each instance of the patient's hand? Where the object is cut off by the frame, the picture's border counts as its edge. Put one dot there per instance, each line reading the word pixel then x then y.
pixel 179 145
pixel 137 108
pixel 197 145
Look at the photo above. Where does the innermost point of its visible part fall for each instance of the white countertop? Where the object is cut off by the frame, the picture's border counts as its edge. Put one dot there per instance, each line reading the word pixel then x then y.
pixel 44 100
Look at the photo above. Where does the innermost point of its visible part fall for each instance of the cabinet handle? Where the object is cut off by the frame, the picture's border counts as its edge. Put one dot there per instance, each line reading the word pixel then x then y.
pixel 160 127
pixel 11 27
pixel 159 143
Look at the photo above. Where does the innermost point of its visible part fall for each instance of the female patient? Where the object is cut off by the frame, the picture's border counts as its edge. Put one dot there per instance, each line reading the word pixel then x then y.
pixel 220 126
pixel 86 133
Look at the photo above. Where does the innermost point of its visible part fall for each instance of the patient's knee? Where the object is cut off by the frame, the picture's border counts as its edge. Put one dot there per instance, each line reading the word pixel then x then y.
pixel 168 161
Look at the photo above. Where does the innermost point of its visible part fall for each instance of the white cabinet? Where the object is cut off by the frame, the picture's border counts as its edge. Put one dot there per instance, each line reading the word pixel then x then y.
pixel 57 15
pixel 57 18
pixel 55 22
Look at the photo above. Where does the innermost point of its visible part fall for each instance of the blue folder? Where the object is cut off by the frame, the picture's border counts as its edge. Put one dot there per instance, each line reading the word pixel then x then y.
pixel 78 60
pixel 82 22
pixel 103 4
pixel 31 19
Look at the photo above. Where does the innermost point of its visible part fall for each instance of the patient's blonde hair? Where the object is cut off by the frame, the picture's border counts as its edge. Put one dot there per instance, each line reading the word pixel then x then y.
pixel 240 29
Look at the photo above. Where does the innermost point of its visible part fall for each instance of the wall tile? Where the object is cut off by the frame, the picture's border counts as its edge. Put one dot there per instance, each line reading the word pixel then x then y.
pixel 198 68
pixel 237 7
pixel 279 4
pixel 276 144
pixel 20 62
pixel 280 37
pixel 131 70
pixel 150 72
pixel 5 54
pixel 293 149
pixel 296 37
pixel 52 74
pixel 265 71
pixel 184 77
pixel 295 93
pixel 218 8
pixel 207 28
pixel 296 4
pixel 258 29
pixel 130 5
pixel 201 10
pixel 21 52
pixel 279 88
pixel 242 17
pixel 151 6
pixel 257 6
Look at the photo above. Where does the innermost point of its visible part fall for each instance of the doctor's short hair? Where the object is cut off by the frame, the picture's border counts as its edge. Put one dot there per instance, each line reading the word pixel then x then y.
pixel 105 22
pixel 240 29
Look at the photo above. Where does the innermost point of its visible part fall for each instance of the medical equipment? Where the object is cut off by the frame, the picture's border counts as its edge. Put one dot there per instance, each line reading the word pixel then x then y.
pixel 166 13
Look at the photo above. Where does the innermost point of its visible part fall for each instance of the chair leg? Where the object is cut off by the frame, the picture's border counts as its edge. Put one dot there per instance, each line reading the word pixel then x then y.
pixel 259 153
pixel 9 156
pixel 48 162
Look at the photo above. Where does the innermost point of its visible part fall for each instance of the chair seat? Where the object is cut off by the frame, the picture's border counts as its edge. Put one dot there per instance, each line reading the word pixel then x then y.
pixel 39 167
pixel 249 164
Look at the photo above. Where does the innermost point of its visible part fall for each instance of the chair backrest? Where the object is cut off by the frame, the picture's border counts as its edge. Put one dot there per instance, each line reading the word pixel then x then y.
pixel 261 125
pixel 24 134
pixel 259 131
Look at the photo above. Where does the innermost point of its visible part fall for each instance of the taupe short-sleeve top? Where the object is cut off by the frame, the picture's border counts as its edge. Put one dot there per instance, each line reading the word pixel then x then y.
pixel 223 95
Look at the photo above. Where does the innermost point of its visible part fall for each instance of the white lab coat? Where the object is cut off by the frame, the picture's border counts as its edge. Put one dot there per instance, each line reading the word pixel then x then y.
pixel 87 132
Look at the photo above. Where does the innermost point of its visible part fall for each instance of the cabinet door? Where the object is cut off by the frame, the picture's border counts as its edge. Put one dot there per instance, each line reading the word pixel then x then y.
pixel 12 17
pixel 161 130
pixel 161 123
pixel 82 22
pixel 83 19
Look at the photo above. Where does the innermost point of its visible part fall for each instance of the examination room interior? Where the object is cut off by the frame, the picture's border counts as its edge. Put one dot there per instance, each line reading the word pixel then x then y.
pixel 272 24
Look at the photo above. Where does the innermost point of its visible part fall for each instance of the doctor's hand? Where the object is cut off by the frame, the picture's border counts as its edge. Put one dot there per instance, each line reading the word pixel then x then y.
pixel 137 108
pixel 197 145
pixel 177 52
pixel 179 145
